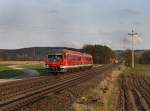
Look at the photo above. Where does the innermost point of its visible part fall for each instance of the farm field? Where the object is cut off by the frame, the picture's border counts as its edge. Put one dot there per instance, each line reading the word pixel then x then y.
pixel 134 89
pixel 15 69
pixel 7 72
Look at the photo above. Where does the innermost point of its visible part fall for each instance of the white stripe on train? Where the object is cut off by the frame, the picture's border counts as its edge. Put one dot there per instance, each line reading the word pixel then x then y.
pixel 75 66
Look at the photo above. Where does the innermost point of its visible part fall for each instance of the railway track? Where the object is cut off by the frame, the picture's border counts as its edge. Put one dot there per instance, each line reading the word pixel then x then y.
pixel 17 94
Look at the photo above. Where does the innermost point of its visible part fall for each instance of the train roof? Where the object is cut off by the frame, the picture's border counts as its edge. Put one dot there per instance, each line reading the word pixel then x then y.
pixel 87 54
pixel 60 51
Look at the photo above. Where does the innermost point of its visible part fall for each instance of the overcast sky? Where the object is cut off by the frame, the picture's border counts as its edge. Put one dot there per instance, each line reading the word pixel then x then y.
pixel 73 23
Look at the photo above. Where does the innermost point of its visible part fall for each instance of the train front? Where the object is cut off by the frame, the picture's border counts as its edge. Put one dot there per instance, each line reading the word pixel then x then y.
pixel 54 61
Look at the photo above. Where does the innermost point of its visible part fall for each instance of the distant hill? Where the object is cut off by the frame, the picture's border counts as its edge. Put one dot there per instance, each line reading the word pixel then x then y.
pixel 38 53
pixel 33 53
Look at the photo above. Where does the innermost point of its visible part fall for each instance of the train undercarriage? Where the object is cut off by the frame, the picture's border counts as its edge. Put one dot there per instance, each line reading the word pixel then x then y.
pixel 68 68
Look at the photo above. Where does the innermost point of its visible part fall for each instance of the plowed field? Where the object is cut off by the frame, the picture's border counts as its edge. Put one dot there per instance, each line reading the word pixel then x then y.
pixel 134 93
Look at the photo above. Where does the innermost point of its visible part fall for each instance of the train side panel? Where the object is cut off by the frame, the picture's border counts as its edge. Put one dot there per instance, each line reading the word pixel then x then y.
pixel 68 61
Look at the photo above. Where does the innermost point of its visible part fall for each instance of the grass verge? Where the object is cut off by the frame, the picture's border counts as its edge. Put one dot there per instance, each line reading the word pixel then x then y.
pixel 139 69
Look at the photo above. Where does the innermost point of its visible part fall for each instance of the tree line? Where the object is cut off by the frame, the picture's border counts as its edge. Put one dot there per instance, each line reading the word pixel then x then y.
pixel 142 59
pixel 101 54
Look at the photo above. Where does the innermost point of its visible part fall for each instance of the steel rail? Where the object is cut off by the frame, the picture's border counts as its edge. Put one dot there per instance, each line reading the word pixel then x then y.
pixel 39 92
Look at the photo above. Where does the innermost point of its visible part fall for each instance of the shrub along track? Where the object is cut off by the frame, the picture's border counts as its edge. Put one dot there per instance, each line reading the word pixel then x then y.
pixel 134 93
pixel 17 94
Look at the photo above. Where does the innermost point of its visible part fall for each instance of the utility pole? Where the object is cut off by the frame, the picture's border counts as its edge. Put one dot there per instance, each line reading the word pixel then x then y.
pixel 132 34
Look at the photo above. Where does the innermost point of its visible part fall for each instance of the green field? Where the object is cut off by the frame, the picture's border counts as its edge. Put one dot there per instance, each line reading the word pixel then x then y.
pixel 33 66
pixel 6 72
pixel 38 67
pixel 139 69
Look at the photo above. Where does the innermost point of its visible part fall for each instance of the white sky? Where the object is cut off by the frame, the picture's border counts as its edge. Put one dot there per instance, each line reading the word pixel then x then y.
pixel 73 23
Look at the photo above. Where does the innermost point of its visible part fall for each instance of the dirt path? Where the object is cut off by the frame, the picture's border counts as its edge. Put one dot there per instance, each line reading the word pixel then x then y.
pixel 8 80
pixel 110 96
pixel 15 67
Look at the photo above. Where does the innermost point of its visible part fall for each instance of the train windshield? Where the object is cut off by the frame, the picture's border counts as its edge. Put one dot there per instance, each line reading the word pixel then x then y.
pixel 54 58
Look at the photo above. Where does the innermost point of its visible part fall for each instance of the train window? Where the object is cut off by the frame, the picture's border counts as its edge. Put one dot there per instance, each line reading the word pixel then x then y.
pixel 65 56
pixel 69 57
pixel 88 59
pixel 54 58
pixel 78 58
pixel 74 58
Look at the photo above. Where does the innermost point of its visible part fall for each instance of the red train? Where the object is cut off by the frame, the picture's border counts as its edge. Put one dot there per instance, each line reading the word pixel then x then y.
pixel 63 60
